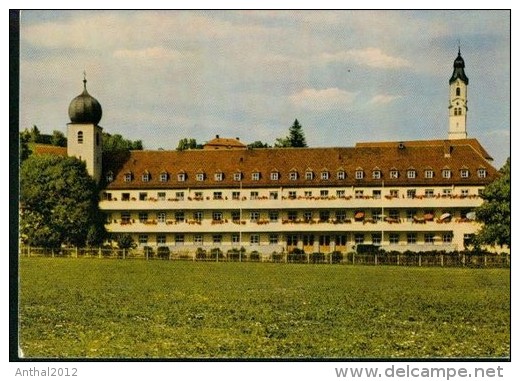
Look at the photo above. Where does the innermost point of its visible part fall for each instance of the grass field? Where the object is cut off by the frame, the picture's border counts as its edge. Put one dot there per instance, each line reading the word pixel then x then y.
pixel 168 309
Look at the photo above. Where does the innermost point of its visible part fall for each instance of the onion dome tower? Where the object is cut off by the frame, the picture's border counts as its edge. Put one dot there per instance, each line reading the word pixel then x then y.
pixel 458 108
pixel 84 135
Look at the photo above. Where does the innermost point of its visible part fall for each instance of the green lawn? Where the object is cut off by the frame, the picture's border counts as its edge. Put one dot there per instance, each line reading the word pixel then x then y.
pixel 105 308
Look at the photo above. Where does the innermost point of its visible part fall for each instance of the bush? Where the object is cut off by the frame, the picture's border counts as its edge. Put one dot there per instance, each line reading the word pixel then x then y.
pixel 148 251
pixel 200 253
pixel 317 258
pixel 163 252
pixel 233 254
pixel 367 249
pixel 276 257
pixel 297 255
pixel 254 256
pixel 215 253
pixel 337 256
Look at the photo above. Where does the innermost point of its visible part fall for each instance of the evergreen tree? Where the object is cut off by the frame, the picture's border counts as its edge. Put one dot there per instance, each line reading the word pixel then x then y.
pixel 296 137
pixel 188 143
pixel 58 139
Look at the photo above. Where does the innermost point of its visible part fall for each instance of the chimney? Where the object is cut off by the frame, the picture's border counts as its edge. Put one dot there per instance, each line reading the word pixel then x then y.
pixel 238 138
pixel 216 136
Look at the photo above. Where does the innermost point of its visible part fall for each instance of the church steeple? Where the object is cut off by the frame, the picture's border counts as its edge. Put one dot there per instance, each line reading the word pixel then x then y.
pixel 458 107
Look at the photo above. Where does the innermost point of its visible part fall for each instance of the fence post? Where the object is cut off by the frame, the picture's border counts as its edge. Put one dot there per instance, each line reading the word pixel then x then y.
pixel 485 260
pixel 217 254
pixel 442 260
pixel 353 257
pixel 76 252
pixel 375 259
pixel 463 259
pixel 124 253
pixel 420 261
pixel 52 252
pixel 397 259
pixel 99 252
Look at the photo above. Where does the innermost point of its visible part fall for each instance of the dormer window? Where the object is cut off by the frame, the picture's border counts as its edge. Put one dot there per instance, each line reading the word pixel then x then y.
pixel 293 175
pixel 411 173
pixel 309 175
pixel 219 176
pixel 376 174
pixel 237 176
pixel 200 176
pixel 110 177
pixel 275 175
pixel 80 137
pixel 481 173
pixel 128 177
pixel 163 177
pixel 255 176
pixel 341 175
pixel 394 174
pixel 182 176
pixel 464 173
pixel 325 175
pixel 457 92
pixel 359 174
pixel 145 177
pixel 446 173
pixel 428 174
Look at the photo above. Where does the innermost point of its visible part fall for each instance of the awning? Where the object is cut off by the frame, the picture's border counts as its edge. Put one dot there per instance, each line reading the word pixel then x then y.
pixel 471 215
pixel 445 216
pixel 359 215
pixel 428 217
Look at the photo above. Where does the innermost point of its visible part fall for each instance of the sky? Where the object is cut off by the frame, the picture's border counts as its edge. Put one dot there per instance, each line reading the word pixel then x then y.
pixel 347 76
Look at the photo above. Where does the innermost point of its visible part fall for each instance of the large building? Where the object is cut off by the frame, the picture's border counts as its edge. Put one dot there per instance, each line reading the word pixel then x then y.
pixel 405 195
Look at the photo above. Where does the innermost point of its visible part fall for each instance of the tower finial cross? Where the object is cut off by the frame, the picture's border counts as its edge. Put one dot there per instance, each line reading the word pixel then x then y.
pixel 85 79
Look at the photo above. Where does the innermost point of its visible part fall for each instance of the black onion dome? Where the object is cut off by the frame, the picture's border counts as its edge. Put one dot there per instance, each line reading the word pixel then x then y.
pixel 85 108
pixel 458 70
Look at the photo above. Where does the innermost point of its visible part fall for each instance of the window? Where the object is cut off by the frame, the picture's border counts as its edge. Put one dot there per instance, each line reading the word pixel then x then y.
pixel 309 175
pixel 324 240
pixel 161 196
pixel 359 238
pixel 128 177
pixel 217 239
pixel 457 92
pixel 394 238
pixel 273 215
pixel 428 174
pixel 125 196
pixel 341 215
pixel 107 196
pixel 293 176
pixel 273 195
pixel 292 195
pixel 358 193
pixel 237 176
pixel 179 216
pixel 324 193
pixel 182 177
pixel 292 215
pixel 307 215
pixel 446 173
pixel 410 193
pixel 376 194
pixel 464 192
pixel 161 217
pixel 376 174
pixel 308 240
pixel 200 176
pixel 394 193
pixel 179 239
pixel 410 173
pixel 254 239
pixel 217 195
pixel 143 196
pixel 219 176
pixel 198 216
pixel 428 193
pixel 235 215
pixel 464 173
pixel 199 196
pixel 292 240
pixel 235 238
pixel 393 214
pixel 217 216
pixel 341 240
pixel 429 238
pixel 410 214
pixel 273 239
pixel 274 175
pixel 340 175
pixel 235 195
pixel 255 176
pixel 324 215
pixel 161 239
pixel 163 177
pixel 307 194
pixel 125 217
pixel 376 239
pixel 143 217
pixel 446 192
pixel 179 196
pixel 253 195
pixel 359 174
pixel 80 137
pixel 340 193
pixel 325 175
pixel 481 173
pixel 480 192
pixel 145 177
pixel 411 238
pixel 254 216
pixel 110 177
pixel 447 238
pixel 143 239
pixel 394 174
pixel 197 239
pixel 376 215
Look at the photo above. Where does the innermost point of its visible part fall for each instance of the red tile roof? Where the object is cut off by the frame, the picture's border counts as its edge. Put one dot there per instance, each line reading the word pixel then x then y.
pixel 224 143
pixel 384 156
pixel 47 149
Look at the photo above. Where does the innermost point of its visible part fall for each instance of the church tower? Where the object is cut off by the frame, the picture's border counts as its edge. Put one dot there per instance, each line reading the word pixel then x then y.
pixel 458 108
pixel 84 136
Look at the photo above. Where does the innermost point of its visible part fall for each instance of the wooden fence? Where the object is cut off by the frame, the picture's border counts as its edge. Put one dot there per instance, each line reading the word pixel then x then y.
pixel 424 259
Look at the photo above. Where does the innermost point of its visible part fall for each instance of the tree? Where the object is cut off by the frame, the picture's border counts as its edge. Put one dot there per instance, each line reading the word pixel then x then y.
pixel 34 135
pixel 116 143
pixel 59 203
pixel 258 144
pixel 495 212
pixel 125 241
pixel 188 143
pixel 58 139
pixel 296 137
pixel 25 151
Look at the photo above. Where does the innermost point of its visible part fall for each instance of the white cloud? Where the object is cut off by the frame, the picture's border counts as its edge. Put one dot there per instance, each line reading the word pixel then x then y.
pixel 154 53
pixel 381 99
pixel 372 57
pixel 320 100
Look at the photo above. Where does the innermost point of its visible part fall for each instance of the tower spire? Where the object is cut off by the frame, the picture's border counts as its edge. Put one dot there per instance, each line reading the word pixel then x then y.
pixel 84 80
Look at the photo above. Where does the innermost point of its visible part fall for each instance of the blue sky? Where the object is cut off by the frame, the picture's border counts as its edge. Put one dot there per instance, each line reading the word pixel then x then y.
pixel 347 76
